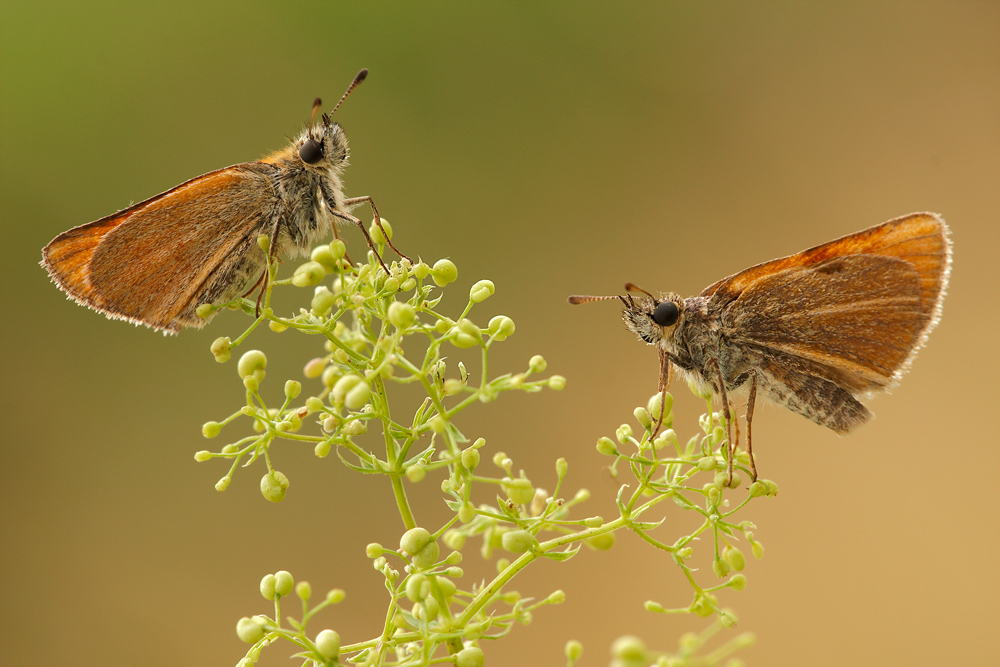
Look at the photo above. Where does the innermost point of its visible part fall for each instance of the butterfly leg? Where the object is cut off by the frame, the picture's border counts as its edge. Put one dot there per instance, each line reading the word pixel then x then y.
pixel 728 413
pixel 329 200
pixel 354 201
pixel 750 402
pixel 663 383
pixel 371 244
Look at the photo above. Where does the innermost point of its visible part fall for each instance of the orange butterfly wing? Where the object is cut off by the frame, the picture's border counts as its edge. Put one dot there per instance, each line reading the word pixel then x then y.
pixel 150 262
pixel 853 310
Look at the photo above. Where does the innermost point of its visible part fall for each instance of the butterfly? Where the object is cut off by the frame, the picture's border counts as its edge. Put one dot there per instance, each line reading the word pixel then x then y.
pixel 814 332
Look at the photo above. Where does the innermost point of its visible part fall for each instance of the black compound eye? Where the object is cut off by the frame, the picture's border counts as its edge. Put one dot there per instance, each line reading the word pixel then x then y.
pixel 311 151
pixel 666 313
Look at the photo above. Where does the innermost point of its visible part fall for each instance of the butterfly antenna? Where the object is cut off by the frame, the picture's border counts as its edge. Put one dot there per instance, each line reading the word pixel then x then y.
pixel 580 298
pixel 632 287
pixel 354 84
pixel 316 106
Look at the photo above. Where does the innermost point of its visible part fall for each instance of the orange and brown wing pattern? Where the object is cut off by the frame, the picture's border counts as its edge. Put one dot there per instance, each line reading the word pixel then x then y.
pixel 918 238
pixel 854 310
pixel 165 240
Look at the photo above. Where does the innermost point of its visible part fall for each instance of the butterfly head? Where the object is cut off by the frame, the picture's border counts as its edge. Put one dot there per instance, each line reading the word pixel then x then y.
pixel 324 145
pixel 652 320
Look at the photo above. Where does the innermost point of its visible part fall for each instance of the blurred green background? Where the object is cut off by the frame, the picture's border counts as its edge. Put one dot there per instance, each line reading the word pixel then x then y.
pixel 555 149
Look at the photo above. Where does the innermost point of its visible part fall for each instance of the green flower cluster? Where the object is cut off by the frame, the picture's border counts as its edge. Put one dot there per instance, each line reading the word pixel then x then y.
pixel 380 329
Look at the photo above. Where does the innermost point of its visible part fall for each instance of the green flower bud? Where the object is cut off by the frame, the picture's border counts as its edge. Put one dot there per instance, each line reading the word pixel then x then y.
pixel 720 567
pixel 447 587
pixel 470 458
pixel 623 433
pixel 223 483
pixel 328 644
pixel 444 272
pixel 303 590
pixel 426 557
pixel 735 558
pixel 629 649
pixel 358 396
pixel 453 538
pixel 267 587
pixel 606 446
pixel 702 605
pixel 401 315
pixel 642 416
pixel 323 256
pixel 280 478
pixel 481 291
pixel 758 550
pixel 322 449
pixel 556 597
pixel 517 541
pixel 210 429
pixel 707 463
pixel 417 587
pixel 414 540
pixel 415 473
pixel 738 582
pixel 562 467
pixel 557 383
pixel 249 630
pixel 684 553
pixel 452 386
pixel 271 489
pixel 466 513
pixel 593 522
pixel 653 405
pixel 322 302
pixel 537 364
pixel 251 362
pixel 376 233
pixel 221 345
pixel 251 383
pixel 470 657
pixel 772 488
pixel 501 327
pixel 308 274
pixel 283 583
pixel 654 607
pixel 728 619
pixel 204 311
pixel 276 327
pixel 338 249
pixel 202 456
pixel 454 558
pixel 223 357
pixel 601 542
pixel 573 650
pixel 344 385
pixel 519 490
pixel 758 489
pixel 465 334
pixel 292 389
pixel 335 595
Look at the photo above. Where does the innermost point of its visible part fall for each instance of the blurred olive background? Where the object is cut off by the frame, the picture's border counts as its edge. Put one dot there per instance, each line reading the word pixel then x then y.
pixel 555 149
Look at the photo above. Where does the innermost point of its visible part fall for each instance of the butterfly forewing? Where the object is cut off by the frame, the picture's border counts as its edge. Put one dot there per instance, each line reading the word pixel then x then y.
pixel 166 240
pixel 851 319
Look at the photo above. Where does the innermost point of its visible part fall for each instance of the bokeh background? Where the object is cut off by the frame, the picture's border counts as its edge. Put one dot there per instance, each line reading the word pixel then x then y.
pixel 554 148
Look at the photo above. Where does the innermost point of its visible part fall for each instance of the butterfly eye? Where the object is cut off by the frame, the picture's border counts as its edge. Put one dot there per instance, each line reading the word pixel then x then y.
pixel 311 151
pixel 666 313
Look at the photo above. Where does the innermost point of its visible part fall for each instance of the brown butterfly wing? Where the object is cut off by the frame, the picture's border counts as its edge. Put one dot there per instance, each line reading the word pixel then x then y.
pixel 853 311
pixel 153 262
